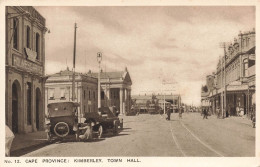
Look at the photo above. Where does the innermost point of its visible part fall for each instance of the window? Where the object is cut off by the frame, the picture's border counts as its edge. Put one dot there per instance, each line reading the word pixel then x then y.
pixel 89 94
pixel 29 99
pixel 245 66
pixel 51 94
pixel 94 96
pixel 37 45
pixel 84 94
pixel 62 93
pixel 28 34
pixel 15 33
pixel 102 95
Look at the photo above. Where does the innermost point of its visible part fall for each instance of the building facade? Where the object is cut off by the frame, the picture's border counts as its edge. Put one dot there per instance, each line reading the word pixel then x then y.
pixel 58 88
pixel 115 89
pixel 234 90
pixel 25 59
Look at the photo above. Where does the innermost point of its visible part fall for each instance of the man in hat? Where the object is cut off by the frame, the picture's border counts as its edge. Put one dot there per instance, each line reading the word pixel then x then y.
pixel 168 112
pixel 181 110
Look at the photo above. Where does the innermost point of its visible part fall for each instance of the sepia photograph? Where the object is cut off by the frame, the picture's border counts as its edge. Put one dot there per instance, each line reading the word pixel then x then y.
pixel 88 82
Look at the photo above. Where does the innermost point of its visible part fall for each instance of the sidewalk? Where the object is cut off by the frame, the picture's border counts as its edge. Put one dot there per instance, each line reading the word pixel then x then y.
pixel 23 142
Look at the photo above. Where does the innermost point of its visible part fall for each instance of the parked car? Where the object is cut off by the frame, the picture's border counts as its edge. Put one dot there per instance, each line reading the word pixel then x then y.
pixel 104 120
pixel 62 120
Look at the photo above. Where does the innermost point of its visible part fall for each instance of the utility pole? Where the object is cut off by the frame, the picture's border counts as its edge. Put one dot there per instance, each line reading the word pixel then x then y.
pixel 164 83
pixel 74 62
pixel 224 99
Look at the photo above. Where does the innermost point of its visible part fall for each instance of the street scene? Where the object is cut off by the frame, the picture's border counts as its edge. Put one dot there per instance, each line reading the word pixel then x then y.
pixel 129 81
pixel 148 135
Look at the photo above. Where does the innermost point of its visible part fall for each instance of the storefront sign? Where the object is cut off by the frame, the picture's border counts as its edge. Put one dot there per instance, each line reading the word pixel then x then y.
pixel 237 87
pixel 26 65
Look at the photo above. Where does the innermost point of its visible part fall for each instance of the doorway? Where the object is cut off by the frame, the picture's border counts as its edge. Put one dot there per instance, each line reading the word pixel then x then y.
pixel 16 90
pixel 38 108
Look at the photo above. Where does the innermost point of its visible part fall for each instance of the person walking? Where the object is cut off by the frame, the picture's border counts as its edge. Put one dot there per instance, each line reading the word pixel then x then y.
pixel 205 113
pixel 180 112
pixel 168 112
pixel 218 112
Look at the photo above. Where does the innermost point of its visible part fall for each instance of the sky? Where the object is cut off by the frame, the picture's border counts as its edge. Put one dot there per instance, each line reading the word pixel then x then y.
pixel 174 44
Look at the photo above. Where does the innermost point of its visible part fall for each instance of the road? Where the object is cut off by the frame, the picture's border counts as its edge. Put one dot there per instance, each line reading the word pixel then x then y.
pixel 151 135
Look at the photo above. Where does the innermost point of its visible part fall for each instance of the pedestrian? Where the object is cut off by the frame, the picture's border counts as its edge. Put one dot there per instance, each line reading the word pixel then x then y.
pixel 205 113
pixel 218 112
pixel 253 116
pixel 168 112
pixel 180 112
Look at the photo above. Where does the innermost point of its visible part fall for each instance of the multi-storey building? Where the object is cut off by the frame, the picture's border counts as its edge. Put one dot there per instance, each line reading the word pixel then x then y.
pixel 115 89
pixel 235 77
pixel 58 88
pixel 25 56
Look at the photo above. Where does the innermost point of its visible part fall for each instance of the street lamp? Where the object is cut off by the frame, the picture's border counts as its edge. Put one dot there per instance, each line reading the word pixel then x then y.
pixel 99 59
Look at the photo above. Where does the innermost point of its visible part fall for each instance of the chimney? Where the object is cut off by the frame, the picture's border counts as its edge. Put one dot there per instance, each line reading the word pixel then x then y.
pixel 126 69
pixel 89 71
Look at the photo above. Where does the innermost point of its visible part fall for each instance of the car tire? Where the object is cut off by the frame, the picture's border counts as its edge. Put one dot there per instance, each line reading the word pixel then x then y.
pixel 64 134
pixel 100 131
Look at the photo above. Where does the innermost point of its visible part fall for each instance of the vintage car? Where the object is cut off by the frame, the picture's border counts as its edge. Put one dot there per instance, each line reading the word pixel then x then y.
pixel 62 120
pixel 104 120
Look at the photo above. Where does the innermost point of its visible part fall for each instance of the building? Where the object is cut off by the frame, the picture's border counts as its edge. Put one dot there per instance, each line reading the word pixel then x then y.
pixel 234 90
pixel 115 89
pixel 25 59
pixel 58 88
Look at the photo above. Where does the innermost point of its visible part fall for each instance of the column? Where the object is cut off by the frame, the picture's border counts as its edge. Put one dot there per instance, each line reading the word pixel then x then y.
pixel 125 101
pixel 121 100
pixel 129 99
pixel 108 97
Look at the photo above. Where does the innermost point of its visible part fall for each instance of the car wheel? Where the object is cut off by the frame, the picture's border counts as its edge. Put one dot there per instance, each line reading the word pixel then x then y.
pixel 100 131
pixel 61 129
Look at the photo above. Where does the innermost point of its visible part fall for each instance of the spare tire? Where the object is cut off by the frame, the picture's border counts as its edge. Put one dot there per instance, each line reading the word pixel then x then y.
pixel 61 129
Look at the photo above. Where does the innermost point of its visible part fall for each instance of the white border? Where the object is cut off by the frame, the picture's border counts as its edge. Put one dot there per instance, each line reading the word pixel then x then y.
pixel 146 161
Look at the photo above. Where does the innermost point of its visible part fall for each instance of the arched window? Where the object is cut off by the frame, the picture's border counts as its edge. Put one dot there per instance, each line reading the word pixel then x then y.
pixel 37 45
pixel 15 33
pixel 28 35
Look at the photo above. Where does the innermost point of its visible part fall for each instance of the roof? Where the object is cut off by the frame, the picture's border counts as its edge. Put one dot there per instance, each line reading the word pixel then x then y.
pixel 103 75
pixel 116 75
pixel 66 72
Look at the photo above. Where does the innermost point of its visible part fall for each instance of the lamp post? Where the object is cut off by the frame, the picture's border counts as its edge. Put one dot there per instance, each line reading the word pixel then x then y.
pixel 99 59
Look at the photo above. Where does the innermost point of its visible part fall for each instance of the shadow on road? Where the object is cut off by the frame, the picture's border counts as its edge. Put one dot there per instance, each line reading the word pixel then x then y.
pixel 112 135
pixel 20 152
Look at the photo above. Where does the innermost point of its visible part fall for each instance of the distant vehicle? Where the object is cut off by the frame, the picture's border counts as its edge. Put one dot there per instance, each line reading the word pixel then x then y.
pixel 104 120
pixel 152 109
pixel 62 120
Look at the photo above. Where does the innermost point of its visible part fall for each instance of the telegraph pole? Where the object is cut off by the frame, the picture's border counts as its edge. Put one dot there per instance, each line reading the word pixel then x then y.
pixel 224 99
pixel 74 62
